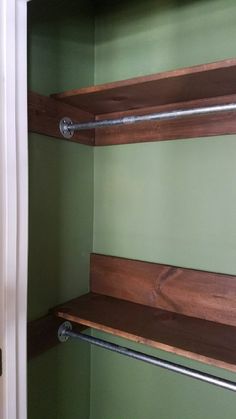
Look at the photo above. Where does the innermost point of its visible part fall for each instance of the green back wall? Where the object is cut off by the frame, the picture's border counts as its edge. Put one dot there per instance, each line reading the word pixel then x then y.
pixel 61 56
pixel 170 202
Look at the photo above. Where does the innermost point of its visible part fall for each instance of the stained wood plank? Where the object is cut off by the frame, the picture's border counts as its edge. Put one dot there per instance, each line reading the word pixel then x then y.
pixel 183 128
pixel 205 295
pixel 181 85
pixel 42 334
pixel 197 339
pixel 45 113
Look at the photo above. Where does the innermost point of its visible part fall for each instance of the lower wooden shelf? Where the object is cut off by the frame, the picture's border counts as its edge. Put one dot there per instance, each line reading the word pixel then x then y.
pixel 197 339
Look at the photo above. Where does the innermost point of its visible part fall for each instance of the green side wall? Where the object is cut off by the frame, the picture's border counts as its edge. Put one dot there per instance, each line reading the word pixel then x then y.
pixel 170 202
pixel 61 206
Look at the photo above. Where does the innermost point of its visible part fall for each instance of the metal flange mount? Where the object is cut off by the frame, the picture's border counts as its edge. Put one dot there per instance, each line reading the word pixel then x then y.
pixel 64 127
pixel 63 328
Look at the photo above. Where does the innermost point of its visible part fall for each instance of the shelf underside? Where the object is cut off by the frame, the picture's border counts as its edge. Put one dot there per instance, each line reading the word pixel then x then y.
pixel 198 339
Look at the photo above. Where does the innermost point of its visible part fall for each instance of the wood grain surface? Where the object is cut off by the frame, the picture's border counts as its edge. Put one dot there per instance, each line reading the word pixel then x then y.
pixel 45 113
pixel 205 295
pixel 196 339
pixel 181 85
pixel 222 123
pixel 42 334
pixel 191 87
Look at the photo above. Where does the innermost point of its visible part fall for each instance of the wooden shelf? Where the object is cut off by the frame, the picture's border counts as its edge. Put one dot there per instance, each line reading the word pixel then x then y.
pixel 184 311
pixel 188 88
pixel 205 295
pixel 198 339
pixel 182 85
pixel 192 87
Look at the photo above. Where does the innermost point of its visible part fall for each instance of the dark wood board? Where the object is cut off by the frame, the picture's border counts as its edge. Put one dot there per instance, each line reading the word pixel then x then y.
pixel 206 295
pixel 181 85
pixel 196 339
pixel 176 129
pixel 45 113
pixel 42 334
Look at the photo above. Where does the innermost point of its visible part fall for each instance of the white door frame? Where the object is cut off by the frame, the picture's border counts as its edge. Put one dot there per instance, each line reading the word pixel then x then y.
pixel 13 207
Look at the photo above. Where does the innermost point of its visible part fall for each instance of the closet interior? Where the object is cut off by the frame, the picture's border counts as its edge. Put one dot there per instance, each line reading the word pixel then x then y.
pixel 183 309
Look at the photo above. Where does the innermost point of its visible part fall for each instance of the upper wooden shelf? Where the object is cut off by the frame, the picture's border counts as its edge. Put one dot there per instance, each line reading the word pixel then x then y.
pixel 182 85
pixel 188 88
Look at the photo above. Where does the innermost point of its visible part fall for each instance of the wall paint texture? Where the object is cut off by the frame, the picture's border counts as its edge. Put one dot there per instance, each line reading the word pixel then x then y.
pixel 61 206
pixel 170 202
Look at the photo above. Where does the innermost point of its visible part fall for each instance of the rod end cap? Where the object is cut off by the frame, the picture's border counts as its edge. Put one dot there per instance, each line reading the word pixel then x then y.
pixel 64 127
pixel 61 333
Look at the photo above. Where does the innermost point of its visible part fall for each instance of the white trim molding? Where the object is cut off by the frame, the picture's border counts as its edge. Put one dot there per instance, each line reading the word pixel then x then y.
pixel 13 207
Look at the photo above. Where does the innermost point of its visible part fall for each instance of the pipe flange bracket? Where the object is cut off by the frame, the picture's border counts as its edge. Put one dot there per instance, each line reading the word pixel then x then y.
pixel 63 328
pixel 64 127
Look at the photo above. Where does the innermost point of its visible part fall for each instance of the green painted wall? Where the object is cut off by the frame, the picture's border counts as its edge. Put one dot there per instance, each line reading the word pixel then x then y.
pixel 137 37
pixel 61 206
pixel 171 202
pixel 122 388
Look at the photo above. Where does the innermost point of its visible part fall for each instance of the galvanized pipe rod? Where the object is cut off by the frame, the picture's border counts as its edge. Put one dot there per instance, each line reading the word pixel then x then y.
pixel 68 127
pixel 65 332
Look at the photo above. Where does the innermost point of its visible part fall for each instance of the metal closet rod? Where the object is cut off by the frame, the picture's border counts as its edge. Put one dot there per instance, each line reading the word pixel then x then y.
pixel 68 127
pixel 65 332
